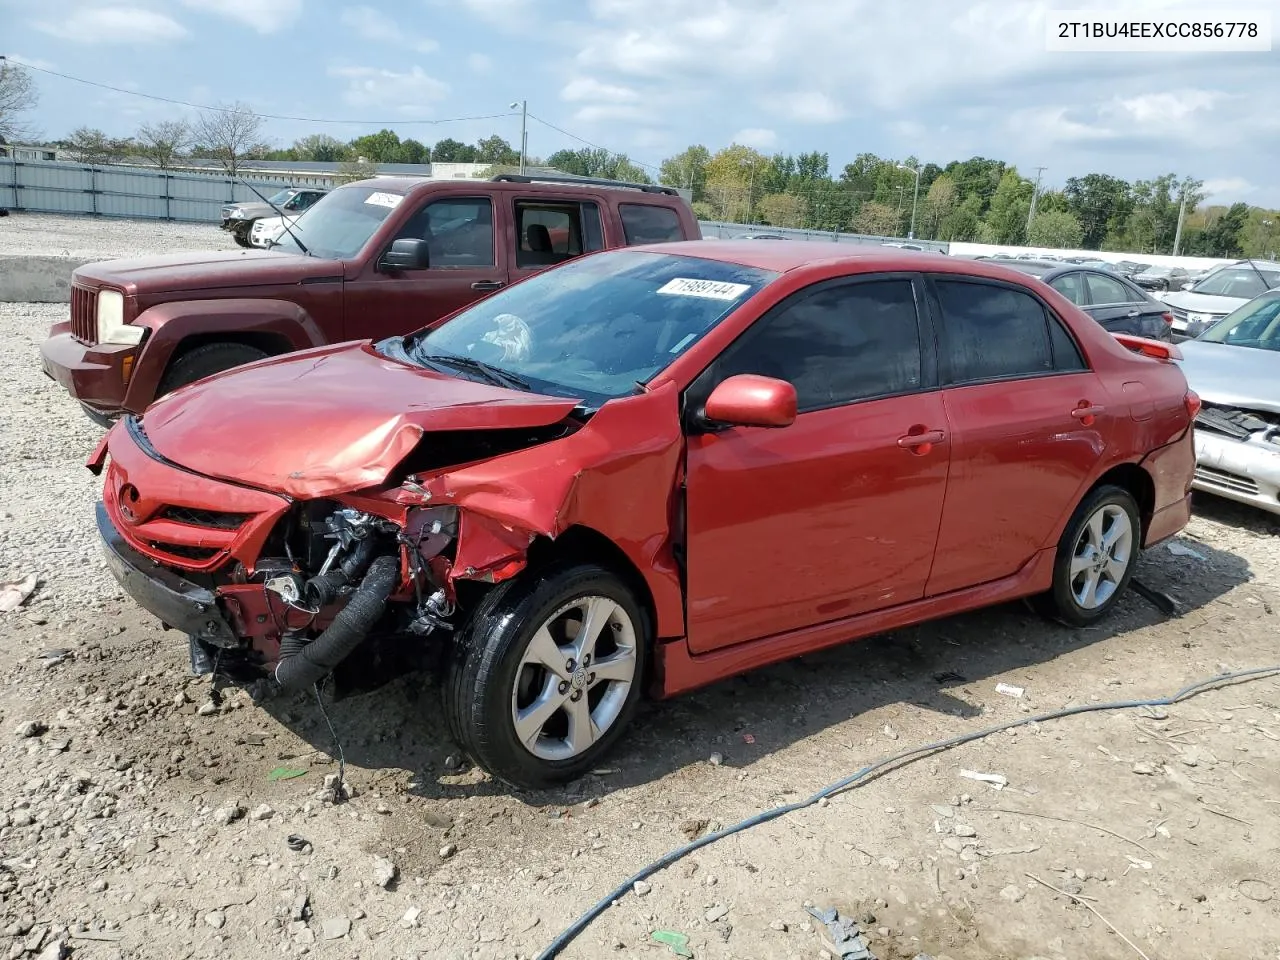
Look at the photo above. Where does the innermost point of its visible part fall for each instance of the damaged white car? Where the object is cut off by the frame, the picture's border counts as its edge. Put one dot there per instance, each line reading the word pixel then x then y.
pixel 1235 368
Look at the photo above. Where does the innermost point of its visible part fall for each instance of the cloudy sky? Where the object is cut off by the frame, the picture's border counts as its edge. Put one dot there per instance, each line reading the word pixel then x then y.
pixel 938 79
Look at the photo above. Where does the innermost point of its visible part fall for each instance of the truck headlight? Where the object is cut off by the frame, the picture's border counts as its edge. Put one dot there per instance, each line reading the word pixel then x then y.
pixel 111 325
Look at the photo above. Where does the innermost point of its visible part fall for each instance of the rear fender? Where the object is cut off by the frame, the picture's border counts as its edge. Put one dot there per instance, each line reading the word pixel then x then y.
pixel 169 324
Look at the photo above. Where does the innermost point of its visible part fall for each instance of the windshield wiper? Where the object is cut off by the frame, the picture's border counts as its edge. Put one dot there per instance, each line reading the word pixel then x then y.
pixel 491 373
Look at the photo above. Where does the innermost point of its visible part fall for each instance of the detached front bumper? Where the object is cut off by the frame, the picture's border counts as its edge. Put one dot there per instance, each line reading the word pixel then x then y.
pixel 95 374
pixel 1245 471
pixel 176 601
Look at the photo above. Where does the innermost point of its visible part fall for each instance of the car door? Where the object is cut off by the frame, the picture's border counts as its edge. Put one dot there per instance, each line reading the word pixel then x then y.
pixel 466 263
pixel 1028 426
pixel 838 513
pixel 1119 308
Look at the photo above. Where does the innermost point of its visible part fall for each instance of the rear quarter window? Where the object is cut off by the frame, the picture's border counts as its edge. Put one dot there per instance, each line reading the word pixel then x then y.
pixel 645 223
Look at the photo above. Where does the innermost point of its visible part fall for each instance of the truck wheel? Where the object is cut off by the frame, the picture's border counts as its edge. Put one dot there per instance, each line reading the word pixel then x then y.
pixel 546 675
pixel 1095 559
pixel 205 361
pixel 242 234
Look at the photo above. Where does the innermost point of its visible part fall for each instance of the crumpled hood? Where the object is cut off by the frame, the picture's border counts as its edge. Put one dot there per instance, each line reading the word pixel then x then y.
pixel 329 420
pixel 1202 302
pixel 175 272
pixel 1233 376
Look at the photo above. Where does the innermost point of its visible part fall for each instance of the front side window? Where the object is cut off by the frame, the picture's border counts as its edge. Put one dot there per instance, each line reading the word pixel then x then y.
pixel 1256 325
pixel 1071 287
pixel 1104 290
pixel 593 328
pixel 836 345
pixel 645 223
pixel 341 222
pixel 993 332
pixel 458 231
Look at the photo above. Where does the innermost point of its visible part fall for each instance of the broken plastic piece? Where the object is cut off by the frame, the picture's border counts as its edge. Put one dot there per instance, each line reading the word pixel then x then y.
pixel 14 595
pixel 846 937
pixel 1178 550
pixel 1009 690
pixel 998 781
pixel 285 773
pixel 673 940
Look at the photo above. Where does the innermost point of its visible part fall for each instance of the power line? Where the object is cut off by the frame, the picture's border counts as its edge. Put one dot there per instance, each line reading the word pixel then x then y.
pixel 265 116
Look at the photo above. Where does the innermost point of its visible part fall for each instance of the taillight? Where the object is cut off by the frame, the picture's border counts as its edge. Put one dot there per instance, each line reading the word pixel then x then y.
pixel 1168 318
pixel 1193 404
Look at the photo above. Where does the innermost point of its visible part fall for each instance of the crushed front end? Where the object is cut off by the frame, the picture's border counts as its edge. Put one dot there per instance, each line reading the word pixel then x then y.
pixel 1238 455
pixel 268 586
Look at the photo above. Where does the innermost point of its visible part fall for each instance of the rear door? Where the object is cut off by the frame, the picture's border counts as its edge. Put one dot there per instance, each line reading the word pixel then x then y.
pixel 1121 308
pixel 1028 425
pixel 467 262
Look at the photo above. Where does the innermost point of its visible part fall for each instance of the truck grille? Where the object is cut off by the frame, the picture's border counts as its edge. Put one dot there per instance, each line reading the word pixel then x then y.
pixel 84 314
pixel 1226 481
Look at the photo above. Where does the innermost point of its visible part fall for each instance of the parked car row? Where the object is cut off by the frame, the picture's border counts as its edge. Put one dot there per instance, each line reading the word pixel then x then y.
pixel 574 480
pixel 1198 305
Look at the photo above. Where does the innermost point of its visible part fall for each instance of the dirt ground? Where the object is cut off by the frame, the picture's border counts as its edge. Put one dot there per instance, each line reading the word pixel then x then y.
pixel 138 819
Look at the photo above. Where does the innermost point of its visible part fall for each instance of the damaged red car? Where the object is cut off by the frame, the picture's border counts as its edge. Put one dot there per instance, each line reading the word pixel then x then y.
pixel 646 470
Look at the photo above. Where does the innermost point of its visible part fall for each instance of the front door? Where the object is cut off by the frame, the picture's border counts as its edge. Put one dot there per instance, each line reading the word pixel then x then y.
pixel 838 513
pixel 1028 424
pixel 466 263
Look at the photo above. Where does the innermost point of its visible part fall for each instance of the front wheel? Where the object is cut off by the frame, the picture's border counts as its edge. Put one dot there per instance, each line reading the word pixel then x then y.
pixel 1095 558
pixel 241 234
pixel 547 674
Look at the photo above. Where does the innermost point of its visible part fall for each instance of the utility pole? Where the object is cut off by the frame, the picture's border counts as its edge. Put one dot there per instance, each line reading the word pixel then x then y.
pixel 524 128
pixel 1182 211
pixel 915 197
pixel 1035 195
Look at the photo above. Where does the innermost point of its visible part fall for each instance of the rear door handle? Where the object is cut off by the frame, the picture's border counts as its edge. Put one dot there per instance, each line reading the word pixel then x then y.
pixel 921 443
pixel 1133 313
pixel 1087 413
pixel 487 285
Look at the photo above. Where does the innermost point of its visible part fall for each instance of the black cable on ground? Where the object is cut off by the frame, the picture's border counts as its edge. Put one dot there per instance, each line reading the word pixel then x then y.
pixel 862 776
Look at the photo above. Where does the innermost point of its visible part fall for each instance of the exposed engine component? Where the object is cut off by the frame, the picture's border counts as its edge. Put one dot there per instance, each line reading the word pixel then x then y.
pixel 355 544
pixel 1240 424
pixel 433 614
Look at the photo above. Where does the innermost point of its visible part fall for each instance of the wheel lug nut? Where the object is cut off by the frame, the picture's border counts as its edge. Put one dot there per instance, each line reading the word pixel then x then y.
pixel 570 665
pixel 564 686
pixel 586 661
pixel 591 678
pixel 576 696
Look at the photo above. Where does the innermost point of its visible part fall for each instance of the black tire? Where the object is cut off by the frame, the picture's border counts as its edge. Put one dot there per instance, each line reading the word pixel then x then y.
pixel 485 669
pixel 204 361
pixel 1061 602
pixel 241 235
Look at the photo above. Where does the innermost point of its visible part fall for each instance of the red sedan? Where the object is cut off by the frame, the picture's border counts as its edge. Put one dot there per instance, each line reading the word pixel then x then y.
pixel 655 468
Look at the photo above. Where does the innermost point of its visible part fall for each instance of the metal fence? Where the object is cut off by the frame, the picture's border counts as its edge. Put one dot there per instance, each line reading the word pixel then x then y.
pixel 138 192
pixel 44 186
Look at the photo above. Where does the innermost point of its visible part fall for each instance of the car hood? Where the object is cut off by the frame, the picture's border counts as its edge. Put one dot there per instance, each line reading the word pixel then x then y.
pixel 1202 302
pixel 329 420
pixel 255 208
pixel 1233 376
pixel 180 272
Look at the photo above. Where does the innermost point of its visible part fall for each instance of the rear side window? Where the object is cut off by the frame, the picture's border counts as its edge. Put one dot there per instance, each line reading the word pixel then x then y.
pixel 644 223
pixel 996 333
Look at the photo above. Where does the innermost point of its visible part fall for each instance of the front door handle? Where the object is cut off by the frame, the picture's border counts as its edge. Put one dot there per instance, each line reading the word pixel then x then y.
pixel 1087 413
pixel 487 285
pixel 922 442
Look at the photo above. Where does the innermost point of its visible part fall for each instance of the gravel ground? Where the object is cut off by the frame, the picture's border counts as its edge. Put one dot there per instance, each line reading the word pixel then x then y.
pixel 141 818
pixel 86 238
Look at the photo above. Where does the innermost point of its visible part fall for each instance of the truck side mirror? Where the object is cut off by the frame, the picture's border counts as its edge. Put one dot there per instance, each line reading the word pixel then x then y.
pixel 407 254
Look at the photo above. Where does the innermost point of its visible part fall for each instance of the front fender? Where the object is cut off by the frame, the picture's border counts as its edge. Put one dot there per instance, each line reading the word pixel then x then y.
pixel 169 324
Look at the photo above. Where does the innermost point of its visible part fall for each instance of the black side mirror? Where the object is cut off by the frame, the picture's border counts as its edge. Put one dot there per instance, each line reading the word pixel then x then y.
pixel 407 254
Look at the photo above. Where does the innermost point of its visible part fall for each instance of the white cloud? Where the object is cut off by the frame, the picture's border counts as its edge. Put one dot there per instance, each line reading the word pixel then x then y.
pixel 589 89
pixel 502 13
pixel 371 25
pixel 115 25
pixel 408 91
pixel 1168 107
pixel 264 16
pixel 479 63
pixel 809 106
pixel 757 137
pixel 599 112
pixel 1227 188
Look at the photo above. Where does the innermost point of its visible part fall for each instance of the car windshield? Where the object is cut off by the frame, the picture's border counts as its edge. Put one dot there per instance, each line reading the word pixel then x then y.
pixel 1157 272
pixel 279 199
pixel 1243 280
pixel 340 222
pixel 592 329
pixel 1256 324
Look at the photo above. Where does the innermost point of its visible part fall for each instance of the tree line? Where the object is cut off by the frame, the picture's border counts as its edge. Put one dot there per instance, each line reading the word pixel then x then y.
pixel 977 199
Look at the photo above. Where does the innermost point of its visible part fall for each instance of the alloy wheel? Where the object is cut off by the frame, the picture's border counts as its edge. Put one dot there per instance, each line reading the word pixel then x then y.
pixel 1102 555
pixel 574 678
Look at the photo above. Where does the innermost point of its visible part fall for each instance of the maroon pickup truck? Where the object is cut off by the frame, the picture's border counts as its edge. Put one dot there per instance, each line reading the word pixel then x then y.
pixel 372 259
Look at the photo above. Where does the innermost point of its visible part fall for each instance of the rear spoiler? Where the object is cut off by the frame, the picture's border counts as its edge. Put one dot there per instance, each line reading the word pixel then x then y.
pixel 1156 349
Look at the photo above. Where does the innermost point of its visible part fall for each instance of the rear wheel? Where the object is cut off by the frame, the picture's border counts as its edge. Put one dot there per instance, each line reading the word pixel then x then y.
pixel 547 674
pixel 204 361
pixel 1095 558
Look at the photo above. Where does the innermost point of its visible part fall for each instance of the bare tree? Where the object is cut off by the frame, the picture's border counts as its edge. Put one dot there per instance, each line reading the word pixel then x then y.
pixel 229 134
pixel 90 145
pixel 18 94
pixel 164 142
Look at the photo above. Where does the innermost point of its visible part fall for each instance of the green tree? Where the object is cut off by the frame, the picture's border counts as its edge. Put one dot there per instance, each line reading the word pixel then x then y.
pixel 321 148
pixel 1223 237
pixel 1101 203
pixel 495 150
pixel 976 177
pixel 449 150
pixel 413 151
pixel 1055 228
pixel 1006 219
pixel 380 147
pixel 733 183
pixel 877 219
pixel 597 162
pixel 938 204
pixel 687 169
pixel 783 210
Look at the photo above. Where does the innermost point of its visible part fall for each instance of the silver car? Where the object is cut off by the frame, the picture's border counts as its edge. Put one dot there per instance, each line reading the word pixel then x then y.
pixel 1235 368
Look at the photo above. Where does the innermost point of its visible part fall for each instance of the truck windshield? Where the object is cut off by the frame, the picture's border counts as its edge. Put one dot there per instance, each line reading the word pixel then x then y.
pixel 341 222
pixel 591 329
